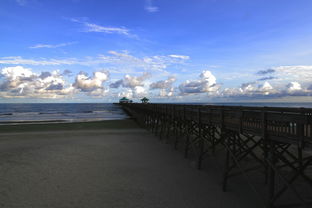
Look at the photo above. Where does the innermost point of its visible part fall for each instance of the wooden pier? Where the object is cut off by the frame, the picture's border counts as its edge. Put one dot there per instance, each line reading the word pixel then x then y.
pixel 276 142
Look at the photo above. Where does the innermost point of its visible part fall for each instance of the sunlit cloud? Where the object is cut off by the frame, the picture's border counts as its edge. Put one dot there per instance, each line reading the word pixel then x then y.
pixel 24 83
pixel 132 86
pixel 206 83
pixel 179 56
pixel 88 84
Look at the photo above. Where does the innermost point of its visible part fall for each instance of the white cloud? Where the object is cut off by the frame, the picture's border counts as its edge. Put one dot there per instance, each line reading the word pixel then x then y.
pixel 128 93
pixel 52 46
pixel 251 89
pixel 302 73
pixel 150 7
pixel 89 84
pixel 91 27
pixel 179 56
pixel 19 60
pixel 294 86
pixel 123 62
pixel 131 81
pixel 266 88
pixel 166 92
pixel 99 92
pixel 22 82
pixel 132 86
pixel 12 73
pixel 165 86
pixel 148 63
pixel 206 83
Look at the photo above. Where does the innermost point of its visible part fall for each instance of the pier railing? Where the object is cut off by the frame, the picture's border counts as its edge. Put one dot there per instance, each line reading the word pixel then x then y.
pixel 274 141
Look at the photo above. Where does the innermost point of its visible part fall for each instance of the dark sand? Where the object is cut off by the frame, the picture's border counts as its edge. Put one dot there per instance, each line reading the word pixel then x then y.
pixel 107 164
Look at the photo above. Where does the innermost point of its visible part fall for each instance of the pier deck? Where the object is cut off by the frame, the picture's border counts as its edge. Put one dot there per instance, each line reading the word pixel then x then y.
pixel 275 142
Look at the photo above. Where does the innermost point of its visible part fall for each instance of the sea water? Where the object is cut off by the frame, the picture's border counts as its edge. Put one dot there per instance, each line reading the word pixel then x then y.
pixel 14 113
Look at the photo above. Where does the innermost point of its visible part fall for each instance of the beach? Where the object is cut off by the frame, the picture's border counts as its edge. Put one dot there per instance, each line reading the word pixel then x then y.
pixel 102 164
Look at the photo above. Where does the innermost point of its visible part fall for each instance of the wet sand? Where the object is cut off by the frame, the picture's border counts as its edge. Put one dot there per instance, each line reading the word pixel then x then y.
pixel 115 165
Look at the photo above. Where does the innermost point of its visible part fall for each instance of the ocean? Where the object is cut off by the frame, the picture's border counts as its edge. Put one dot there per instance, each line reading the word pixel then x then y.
pixel 16 113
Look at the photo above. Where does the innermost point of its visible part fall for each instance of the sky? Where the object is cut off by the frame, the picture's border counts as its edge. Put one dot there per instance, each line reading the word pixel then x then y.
pixel 166 50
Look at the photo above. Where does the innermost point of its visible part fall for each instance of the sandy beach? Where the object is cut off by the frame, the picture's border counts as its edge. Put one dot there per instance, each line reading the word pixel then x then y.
pixel 102 164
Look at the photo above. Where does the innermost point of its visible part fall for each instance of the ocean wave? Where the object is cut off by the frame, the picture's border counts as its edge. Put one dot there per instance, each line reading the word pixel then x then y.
pixel 56 112
pixel 102 111
pixel 25 113
pixel 6 114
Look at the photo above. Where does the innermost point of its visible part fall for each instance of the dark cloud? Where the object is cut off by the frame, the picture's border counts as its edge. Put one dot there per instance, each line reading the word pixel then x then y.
pixel 244 85
pixel 67 72
pixel 116 84
pixel 44 75
pixel 58 86
pixel 266 78
pixel 163 84
pixel 264 72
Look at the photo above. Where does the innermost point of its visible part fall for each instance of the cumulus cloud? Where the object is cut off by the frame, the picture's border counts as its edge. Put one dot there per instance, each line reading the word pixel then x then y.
pixel 293 86
pixel 167 92
pixel 254 90
pixel 287 81
pixel 128 93
pixel 22 82
pixel 89 84
pixel 165 86
pixel 205 83
pixel 266 88
pixel 131 81
pixel 132 86
pixel 136 92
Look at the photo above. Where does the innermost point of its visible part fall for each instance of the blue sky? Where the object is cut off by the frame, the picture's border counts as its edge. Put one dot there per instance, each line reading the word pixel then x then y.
pixel 170 51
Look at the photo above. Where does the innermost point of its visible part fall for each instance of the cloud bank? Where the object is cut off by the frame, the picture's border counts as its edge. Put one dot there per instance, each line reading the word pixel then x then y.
pixel 22 82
